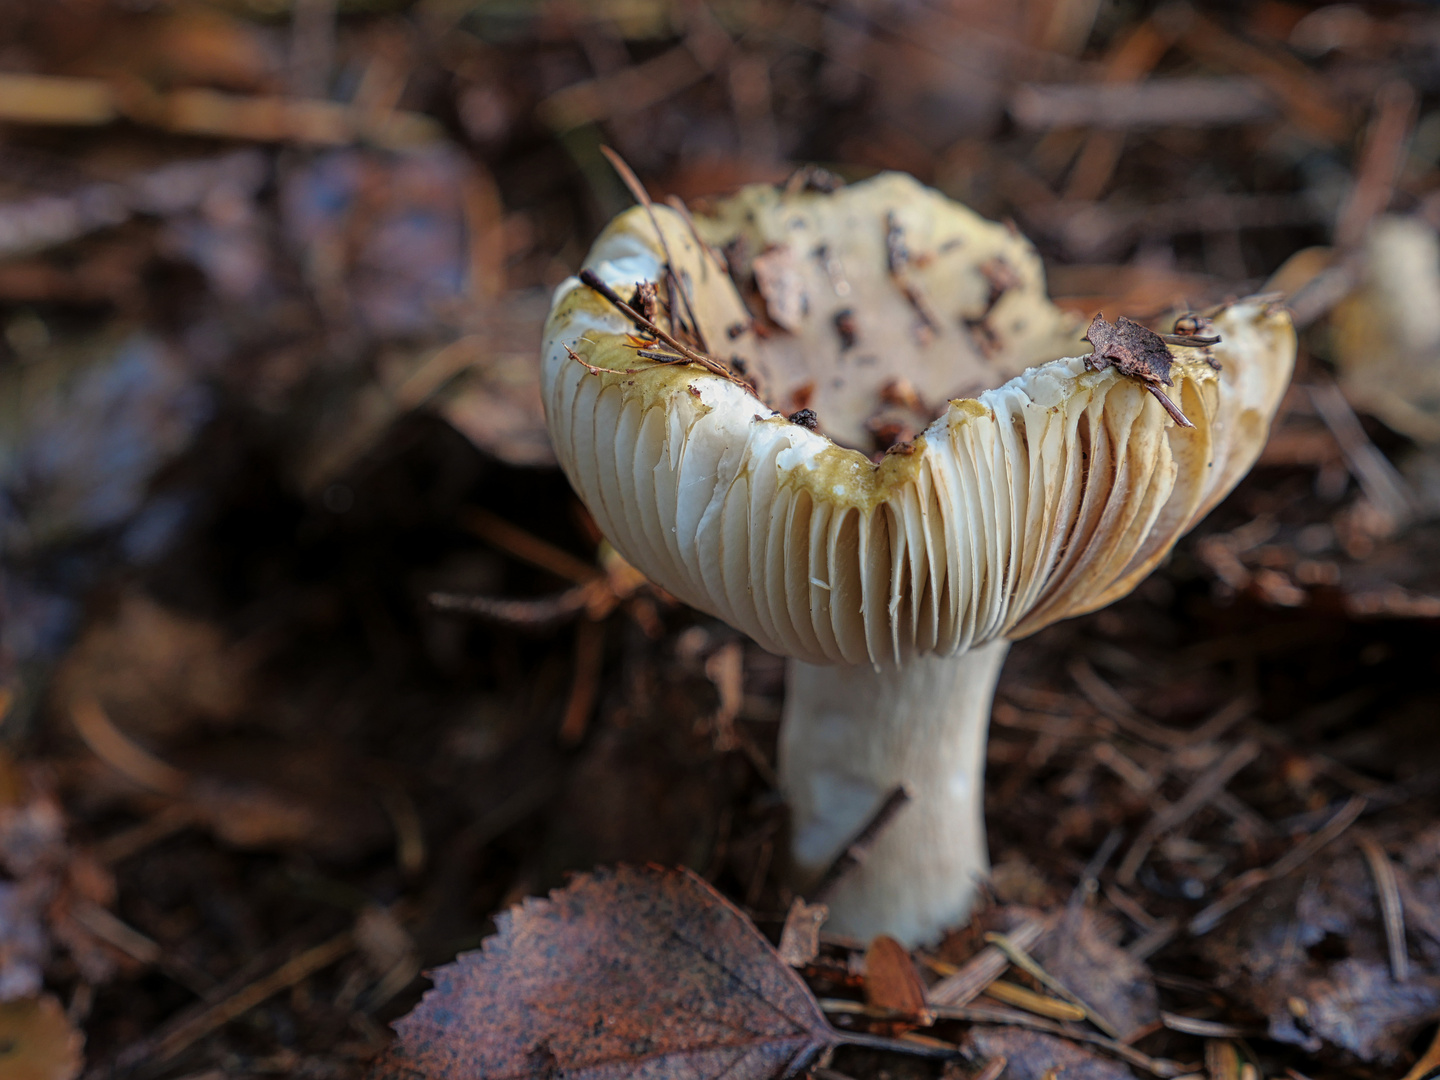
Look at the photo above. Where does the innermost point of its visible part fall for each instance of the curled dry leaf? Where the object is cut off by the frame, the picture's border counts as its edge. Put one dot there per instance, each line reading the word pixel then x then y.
pixel 634 972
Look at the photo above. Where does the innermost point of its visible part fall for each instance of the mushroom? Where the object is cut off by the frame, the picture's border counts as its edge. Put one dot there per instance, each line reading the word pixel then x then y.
pixel 893 581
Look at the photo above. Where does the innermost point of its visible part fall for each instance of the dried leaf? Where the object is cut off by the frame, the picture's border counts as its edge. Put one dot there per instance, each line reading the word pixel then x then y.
pixel 1084 955
pixel 1310 954
pixel 635 972
pixel 800 939
pixel 1135 350
pixel 1032 1055
pixel 891 981
pixel 37 1041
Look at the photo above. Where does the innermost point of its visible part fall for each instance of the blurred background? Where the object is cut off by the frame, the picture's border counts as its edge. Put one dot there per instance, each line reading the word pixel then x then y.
pixel 272 276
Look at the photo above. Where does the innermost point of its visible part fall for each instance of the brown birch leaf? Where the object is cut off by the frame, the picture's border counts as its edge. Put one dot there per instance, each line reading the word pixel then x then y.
pixel 634 972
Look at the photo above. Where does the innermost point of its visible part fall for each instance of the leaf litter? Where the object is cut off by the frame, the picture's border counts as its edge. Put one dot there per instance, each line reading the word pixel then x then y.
pixel 327 346
pixel 637 972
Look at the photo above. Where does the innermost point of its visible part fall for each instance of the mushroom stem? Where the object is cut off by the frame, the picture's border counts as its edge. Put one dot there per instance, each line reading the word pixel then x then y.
pixel 850 735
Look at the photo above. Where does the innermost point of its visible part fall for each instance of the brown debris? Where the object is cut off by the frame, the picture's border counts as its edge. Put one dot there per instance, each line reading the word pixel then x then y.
pixel 1137 352
pixel 643 966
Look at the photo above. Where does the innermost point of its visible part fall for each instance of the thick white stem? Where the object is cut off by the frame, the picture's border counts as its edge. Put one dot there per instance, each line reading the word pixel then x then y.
pixel 851 734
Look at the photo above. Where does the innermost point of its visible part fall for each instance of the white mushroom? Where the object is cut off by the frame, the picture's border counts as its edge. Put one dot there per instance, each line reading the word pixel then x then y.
pixel 894 586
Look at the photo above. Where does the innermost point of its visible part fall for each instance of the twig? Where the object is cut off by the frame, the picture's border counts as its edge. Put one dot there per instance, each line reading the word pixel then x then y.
pixel 993 1068
pixel 853 854
pixel 983 968
pixel 642 196
pixel 589 655
pixel 1381 158
pixel 590 278
pixel 1089 881
pixel 1023 960
pixel 535 613
pixel 112 746
pixel 1240 888
pixel 1392 911
pixel 1169 406
pixel 1206 787
pixel 285 976
pixel 1110 704
pixel 1381 481
pixel 1207 1029
pixel 525 546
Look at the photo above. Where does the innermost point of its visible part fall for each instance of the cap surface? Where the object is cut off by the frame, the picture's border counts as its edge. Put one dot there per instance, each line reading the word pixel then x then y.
pixel 1049 495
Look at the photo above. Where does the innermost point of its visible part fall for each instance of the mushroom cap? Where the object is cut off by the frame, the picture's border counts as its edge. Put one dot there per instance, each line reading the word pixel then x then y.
pixel 1050 495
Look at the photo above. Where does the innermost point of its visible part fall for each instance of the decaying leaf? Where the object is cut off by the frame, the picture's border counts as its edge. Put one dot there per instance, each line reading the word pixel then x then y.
pixel 1032 1055
pixel 1083 955
pixel 1309 953
pixel 635 972
pixel 1135 350
pixel 37 1041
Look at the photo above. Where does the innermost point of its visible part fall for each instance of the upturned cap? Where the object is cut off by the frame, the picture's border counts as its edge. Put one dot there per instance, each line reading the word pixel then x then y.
pixel 1051 493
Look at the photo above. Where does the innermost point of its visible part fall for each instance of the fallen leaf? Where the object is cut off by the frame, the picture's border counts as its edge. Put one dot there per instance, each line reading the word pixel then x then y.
pixel 1032 1055
pixel 1309 954
pixel 635 972
pixel 37 1041
pixel 1135 350
pixel 891 981
pixel 1083 955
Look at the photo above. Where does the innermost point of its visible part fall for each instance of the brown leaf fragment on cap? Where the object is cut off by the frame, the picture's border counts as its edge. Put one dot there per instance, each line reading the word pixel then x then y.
pixel 646 299
pixel 639 971
pixel 1137 352
pixel 806 418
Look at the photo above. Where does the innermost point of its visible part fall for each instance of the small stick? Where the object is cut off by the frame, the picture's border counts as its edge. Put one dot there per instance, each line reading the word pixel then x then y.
pixel 1025 962
pixel 115 748
pixel 585 685
pixel 1206 787
pixel 855 851
pixel 1208 1029
pixel 1169 406
pixel 527 547
pixel 982 969
pixel 1392 911
pixel 285 976
pixel 590 278
pixel 993 1068
pixel 534 613
pixel 1189 340
pixel 642 196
